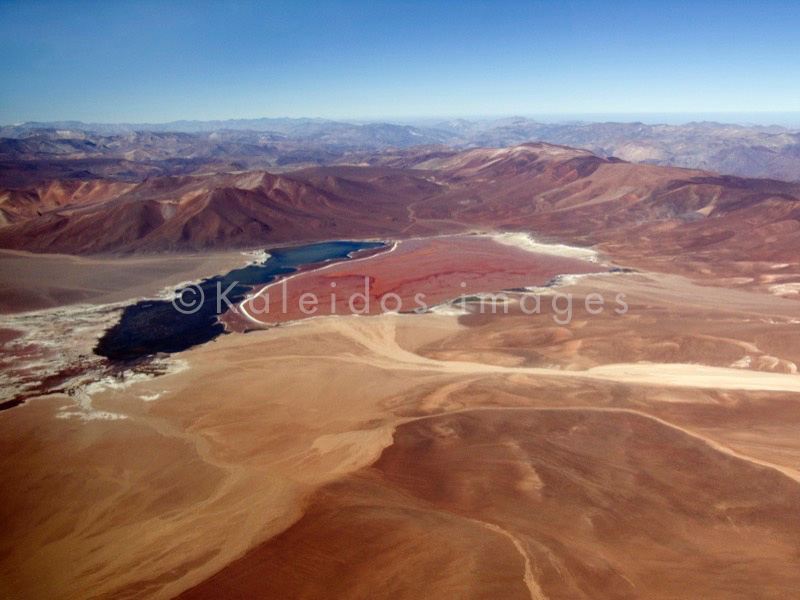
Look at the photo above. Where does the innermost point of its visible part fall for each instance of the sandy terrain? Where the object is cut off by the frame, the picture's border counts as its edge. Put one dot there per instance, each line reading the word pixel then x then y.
pixel 430 455
pixel 535 503
pixel 37 281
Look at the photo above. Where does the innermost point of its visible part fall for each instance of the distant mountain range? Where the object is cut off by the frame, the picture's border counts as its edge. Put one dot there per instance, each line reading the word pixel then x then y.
pixel 31 153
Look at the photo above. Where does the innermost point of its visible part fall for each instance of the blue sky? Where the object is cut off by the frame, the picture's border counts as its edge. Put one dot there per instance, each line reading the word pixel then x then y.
pixel 156 61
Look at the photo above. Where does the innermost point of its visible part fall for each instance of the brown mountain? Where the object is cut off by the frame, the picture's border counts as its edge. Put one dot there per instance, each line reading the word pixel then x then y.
pixel 22 205
pixel 666 214
pixel 33 152
pixel 749 151
pixel 223 211
pixel 638 210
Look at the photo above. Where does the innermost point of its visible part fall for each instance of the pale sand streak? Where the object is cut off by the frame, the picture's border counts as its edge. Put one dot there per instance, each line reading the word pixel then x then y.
pixel 380 340
pixel 530 581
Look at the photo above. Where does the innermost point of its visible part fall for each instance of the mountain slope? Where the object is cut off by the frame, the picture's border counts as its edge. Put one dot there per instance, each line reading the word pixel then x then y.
pixel 224 211
pixel 644 215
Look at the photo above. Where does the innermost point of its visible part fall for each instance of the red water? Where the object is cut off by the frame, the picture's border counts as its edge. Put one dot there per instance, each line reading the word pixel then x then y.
pixel 416 273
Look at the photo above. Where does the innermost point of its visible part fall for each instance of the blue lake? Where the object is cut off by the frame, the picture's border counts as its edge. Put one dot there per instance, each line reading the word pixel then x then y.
pixel 153 326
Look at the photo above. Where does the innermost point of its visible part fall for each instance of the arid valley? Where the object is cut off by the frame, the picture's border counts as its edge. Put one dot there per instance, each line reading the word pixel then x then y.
pixel 452 452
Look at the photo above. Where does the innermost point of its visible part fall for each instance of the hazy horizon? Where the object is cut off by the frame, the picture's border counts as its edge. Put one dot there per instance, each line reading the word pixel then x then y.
pixel 765 119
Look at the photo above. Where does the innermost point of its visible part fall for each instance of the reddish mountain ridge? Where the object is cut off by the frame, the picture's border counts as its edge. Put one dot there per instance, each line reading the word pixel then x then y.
pixel 661 214
pixel 191 213
pixel 26 204
pixel 636 210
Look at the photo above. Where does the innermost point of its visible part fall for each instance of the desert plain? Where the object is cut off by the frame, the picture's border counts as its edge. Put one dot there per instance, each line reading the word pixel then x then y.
pixel 452 454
